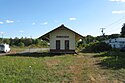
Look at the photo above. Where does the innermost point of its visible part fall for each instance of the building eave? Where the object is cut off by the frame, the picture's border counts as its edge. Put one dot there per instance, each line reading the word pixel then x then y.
pixel 46 36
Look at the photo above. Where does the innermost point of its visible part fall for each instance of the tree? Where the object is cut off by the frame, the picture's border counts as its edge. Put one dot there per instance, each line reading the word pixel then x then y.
pixel 0 40
pixel 101 38
pixel 37 41
pixel 11 42
pixel 80 44
pixel 28 41
pixel 123 31
pixel 16 41
pixel 89 39
pixel 21 44
pixel 6 40
pixel 44 43
pixel 113 36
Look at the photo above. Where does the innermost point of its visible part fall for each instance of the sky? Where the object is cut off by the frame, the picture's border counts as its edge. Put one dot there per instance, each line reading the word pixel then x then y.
pixel 33 18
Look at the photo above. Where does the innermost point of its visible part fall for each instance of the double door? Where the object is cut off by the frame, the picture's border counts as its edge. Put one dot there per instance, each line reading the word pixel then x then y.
pixel 58 45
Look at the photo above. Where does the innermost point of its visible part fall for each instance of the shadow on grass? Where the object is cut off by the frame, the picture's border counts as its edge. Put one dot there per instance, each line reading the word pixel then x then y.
pixel 112 60
pixel 90 51
pixel 35 54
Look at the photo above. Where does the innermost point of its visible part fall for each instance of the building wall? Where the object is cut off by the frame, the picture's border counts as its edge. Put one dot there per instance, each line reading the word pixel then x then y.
pixel 62 32
pixel 116 42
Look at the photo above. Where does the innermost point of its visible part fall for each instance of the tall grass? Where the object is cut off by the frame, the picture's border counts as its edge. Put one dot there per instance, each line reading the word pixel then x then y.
pixel 37 68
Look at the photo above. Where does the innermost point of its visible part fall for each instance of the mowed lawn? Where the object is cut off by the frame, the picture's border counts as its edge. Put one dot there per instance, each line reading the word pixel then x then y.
pixel 40 68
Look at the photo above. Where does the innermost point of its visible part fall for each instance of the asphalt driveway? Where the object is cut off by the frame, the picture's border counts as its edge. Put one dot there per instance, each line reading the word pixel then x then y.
pixel 30 50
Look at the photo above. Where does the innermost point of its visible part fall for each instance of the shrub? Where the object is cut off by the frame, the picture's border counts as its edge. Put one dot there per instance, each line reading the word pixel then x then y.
pixel 97 47
pixel 21 44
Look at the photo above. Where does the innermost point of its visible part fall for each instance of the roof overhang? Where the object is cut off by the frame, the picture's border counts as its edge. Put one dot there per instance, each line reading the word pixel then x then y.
pixel 47 38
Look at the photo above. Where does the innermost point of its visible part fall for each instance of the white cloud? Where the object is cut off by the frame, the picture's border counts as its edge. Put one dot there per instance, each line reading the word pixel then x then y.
pixel 33 23
pixel 118 12
pixel 9 21
pixel 21 31
pixel 2 32
pixel 45 23
pixel 1 22
pixel 117 0
pixel 72 19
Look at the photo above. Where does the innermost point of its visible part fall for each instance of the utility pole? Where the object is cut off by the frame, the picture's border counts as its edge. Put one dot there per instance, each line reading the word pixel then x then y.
pixel 102 30
pixel 103 34
pixel 2 33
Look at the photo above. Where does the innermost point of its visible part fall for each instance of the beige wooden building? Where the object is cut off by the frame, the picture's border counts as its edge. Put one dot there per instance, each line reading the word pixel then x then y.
pixel 62 40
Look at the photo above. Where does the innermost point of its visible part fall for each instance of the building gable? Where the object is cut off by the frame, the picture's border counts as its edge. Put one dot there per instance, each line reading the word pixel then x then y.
pixel 62 40
pixel 61 29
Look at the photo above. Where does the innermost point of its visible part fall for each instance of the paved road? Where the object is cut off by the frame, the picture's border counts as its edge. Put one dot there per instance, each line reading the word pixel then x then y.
pixel 31 50
pixel 1 54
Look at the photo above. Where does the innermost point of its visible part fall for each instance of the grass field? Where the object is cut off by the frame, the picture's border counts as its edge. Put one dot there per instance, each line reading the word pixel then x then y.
pixel 47 68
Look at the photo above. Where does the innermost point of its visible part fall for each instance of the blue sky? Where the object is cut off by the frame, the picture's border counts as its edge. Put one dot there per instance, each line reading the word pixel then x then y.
pixel 33 18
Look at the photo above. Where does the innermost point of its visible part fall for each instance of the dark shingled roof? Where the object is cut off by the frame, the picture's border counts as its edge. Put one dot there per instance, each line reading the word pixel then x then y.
pixel 46 36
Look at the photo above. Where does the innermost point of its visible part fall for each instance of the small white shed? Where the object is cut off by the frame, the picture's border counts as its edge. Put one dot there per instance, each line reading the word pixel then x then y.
pixel 62 40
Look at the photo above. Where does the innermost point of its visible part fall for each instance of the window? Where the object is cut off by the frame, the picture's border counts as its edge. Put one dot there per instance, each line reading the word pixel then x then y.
pixel 57 44
pixel 66 44
pixel 109 41
pixel 2 46
pixel 62 36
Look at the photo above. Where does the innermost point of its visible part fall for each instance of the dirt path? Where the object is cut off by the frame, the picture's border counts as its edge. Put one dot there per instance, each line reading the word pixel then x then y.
pixel 89 71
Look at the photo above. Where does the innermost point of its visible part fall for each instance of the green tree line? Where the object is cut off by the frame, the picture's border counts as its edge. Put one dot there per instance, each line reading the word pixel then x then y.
pixel 22 42
pixel 91 42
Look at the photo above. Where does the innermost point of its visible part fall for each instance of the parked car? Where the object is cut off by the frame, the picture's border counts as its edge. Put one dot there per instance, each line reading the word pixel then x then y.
pixel 4 48
pixel 122 49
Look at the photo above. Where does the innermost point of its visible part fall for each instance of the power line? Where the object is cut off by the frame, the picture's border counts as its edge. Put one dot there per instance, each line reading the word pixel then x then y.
pixel 122 19
pixel 115 21
pixel 119 21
